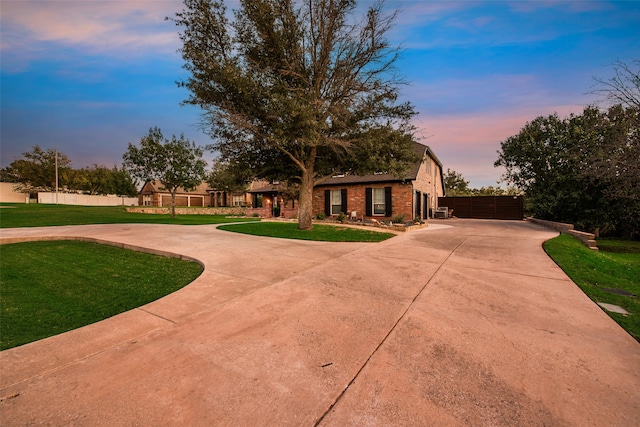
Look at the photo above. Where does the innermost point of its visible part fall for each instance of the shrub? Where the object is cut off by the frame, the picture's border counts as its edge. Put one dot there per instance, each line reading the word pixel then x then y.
pixel 398 219
pixel 320 216
pixel 342 217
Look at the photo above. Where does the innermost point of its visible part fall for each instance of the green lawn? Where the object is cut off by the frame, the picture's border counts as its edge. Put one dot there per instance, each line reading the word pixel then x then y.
pixel 610 275
pixel 41 215
pixel 50 287
pixel 320 232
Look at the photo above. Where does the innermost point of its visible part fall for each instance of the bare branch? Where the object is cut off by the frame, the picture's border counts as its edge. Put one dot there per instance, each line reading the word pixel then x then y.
pixel 623 88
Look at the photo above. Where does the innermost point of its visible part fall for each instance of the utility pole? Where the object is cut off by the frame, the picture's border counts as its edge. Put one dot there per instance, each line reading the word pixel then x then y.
pixel 56 175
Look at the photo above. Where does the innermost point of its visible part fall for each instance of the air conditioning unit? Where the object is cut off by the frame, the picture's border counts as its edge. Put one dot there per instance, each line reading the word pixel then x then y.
pixel 442 212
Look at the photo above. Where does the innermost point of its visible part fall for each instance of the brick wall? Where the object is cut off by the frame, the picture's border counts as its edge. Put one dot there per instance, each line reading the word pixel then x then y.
pixel 401 199
pixel 189 211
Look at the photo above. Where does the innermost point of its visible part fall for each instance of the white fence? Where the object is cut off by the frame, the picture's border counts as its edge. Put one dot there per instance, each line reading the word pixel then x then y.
pixel 85 199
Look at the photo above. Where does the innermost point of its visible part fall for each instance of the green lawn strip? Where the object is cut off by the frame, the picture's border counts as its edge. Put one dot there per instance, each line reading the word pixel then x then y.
pixel 619 246
pixel 42 215
pixel 599 272
pixel 320 232
pixel 50 287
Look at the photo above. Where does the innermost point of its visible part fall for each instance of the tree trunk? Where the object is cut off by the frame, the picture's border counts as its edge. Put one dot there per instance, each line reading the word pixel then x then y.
pixel 305 208
pixel 173 203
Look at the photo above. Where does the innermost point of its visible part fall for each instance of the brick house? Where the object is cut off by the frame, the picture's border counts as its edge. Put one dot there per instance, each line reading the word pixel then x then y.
pixel 151 194
pixel 383 196
pixel 268 199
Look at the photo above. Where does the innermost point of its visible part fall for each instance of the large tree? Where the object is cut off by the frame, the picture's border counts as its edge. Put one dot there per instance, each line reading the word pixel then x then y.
pixel 297 90
pixel 175 163
pixel 36 170
pixel 229 176
pixel 582 169
pixel 455 184
pixel 121 183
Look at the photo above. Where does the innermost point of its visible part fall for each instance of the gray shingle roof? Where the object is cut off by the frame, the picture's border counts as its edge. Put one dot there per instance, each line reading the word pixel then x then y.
pixel 412 174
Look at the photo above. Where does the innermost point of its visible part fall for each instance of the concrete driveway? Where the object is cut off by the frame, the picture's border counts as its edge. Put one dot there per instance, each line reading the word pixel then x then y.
pixel 466 322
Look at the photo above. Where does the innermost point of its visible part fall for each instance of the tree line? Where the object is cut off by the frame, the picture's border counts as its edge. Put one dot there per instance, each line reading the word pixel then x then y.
pixel 456 185
pixel 585 168
pixel 36 171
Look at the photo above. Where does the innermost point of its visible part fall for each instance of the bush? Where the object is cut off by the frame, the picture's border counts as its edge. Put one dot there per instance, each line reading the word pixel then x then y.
pixel 342 217
pixel 320 216
pixel 398 219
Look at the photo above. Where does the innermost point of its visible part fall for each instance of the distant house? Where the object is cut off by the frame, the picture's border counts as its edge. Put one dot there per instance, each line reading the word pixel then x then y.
pixel 384 196
pixel 153 194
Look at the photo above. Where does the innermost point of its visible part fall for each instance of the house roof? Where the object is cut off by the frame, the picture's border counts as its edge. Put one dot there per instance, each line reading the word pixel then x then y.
pixel 267 188
pixel 420 149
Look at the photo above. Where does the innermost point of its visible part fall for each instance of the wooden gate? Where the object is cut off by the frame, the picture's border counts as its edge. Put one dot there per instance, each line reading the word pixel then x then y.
pixel 485 207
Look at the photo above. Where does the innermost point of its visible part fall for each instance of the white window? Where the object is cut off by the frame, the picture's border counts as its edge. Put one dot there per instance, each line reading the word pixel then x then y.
pixel 336 202
pixel 378 201
pixel 146 200
pixel 237 200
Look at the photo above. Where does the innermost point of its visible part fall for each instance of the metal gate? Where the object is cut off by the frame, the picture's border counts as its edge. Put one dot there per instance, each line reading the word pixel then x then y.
pixel 485 207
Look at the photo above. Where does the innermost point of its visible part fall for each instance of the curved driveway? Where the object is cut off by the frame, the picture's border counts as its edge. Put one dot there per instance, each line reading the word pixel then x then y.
pixel 465 322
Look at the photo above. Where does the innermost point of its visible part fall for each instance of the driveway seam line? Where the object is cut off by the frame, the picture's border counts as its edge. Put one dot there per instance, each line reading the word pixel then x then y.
pixel 157 315
pixel 384 339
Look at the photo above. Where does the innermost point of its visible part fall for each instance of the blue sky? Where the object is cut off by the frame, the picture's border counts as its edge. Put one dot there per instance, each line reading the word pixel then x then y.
pixel 90 76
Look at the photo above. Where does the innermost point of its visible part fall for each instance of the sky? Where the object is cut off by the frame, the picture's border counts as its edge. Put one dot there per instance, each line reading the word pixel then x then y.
pixel 88 77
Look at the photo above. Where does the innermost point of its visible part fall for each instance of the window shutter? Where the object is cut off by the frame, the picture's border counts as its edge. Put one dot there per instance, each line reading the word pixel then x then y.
pixel 343 200
pixel 387 201
pixel 254 200
pixel 418 213
pixel 327 202
pixel 368 201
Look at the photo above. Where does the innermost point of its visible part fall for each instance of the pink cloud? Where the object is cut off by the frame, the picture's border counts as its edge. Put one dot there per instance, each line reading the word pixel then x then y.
pixel 102 26
pixel 468 143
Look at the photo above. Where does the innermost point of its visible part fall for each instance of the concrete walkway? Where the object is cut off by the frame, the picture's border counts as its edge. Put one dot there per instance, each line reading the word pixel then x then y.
pixel 466 322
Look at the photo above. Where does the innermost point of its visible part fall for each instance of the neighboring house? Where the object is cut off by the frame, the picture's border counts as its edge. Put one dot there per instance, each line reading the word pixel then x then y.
pixel 230 198
pixel 383 196
pixel 152 194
